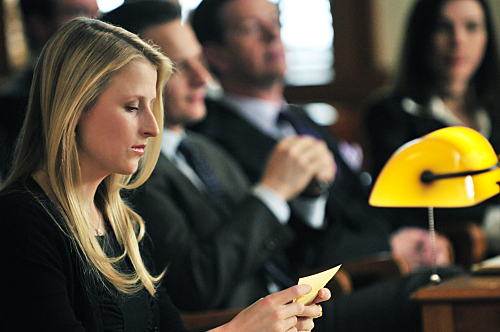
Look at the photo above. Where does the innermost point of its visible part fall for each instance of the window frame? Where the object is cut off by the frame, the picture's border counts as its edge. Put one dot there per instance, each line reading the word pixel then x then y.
pixel 356 74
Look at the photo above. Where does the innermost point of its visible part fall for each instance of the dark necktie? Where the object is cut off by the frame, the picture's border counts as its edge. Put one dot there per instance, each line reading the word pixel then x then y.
pixel 206 174
pixel 277 276
pixel 286 115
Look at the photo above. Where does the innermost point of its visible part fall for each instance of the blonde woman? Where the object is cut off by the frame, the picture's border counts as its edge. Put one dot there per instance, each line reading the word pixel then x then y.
pixel 74 256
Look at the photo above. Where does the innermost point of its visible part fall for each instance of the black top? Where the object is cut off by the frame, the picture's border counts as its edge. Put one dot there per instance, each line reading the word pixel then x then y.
pixel 46 286
pixel 389 126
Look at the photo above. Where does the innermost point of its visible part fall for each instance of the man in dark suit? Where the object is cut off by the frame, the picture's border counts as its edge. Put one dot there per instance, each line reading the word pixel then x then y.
pixel 241 41
pixel 217 254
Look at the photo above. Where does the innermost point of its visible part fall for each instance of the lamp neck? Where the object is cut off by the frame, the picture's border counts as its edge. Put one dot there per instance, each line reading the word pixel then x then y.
pixel 428 177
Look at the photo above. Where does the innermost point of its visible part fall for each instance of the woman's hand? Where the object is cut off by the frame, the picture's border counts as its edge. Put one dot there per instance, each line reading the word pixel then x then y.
pixel 313 310
pixel 278 313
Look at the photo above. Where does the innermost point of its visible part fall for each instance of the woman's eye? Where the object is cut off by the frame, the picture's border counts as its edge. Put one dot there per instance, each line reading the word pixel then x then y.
pixel 472 26
pixel 132 108
pixel 443 27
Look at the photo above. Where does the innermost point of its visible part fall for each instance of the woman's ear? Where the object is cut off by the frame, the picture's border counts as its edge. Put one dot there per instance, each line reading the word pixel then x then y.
pixel 81 118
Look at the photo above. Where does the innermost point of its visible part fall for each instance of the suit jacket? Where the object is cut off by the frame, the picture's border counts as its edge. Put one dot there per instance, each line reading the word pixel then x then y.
pixel 355 229
pixel 212 262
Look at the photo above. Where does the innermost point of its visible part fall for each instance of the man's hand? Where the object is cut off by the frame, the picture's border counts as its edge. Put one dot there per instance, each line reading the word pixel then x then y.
pixel 297 163
pixel 414 246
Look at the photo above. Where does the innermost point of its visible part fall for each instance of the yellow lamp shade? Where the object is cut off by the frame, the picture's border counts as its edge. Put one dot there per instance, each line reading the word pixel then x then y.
pixel 450 167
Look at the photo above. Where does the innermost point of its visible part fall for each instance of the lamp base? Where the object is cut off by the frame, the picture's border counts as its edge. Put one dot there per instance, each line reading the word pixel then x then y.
pixel 435 279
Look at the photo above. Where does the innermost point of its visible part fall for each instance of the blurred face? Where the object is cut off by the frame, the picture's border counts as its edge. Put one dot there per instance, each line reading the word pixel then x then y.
pixel 41 29
pixel 253 50
pixel 66 10
pixel 112 135
pixel 460 40
pixel 185 91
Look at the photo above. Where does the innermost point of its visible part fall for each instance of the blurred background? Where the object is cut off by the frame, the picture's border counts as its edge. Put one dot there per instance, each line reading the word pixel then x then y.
pixel 339 52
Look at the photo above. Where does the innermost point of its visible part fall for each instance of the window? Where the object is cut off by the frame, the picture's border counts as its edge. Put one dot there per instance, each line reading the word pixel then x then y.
pixel 307 34
pixel 108 5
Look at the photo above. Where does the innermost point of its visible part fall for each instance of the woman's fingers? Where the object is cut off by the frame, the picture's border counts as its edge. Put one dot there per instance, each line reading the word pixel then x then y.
pixel 304 324
pixel 290 294
pixel 312 311
pixel 278 312
pixel 324 294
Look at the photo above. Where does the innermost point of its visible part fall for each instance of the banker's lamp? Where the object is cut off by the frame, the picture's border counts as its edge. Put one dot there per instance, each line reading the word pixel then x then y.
pixel 448 168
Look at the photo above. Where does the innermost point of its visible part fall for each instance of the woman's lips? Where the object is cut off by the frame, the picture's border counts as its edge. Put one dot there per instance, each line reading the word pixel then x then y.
pixel 139 149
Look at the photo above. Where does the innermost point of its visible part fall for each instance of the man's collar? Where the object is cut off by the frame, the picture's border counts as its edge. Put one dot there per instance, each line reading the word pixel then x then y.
pixel 170 142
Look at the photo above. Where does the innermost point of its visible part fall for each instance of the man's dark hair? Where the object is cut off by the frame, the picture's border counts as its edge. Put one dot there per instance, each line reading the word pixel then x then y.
pixel 43 8
pixel 208 22
pixel 137 16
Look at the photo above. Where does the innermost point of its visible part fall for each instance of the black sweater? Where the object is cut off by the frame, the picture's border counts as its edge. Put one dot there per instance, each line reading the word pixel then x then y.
pixel 45 285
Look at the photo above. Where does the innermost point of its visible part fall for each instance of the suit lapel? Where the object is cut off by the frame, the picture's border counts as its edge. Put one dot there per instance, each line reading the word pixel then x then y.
pixel 168 177
pixel 248 144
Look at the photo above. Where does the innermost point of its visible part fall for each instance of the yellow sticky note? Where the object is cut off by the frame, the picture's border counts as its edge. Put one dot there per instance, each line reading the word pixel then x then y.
pixel 317 281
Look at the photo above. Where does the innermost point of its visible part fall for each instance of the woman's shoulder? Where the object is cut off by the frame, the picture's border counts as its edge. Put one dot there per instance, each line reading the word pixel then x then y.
pixel 24 206
pixel 23 192
pixel 384 101
pixel 386 107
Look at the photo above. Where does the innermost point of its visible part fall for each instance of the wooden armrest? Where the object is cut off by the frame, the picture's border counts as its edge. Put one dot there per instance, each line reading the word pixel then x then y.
pixel 205 320
pixel 468 240
pixel 382 266
pixel 341 283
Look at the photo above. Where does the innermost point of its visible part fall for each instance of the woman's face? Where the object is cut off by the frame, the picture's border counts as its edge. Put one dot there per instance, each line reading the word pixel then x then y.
pixel 460 40
pixel 112 135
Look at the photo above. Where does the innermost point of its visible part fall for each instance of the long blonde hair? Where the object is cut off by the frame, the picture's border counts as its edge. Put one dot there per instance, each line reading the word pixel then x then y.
pixel 74 68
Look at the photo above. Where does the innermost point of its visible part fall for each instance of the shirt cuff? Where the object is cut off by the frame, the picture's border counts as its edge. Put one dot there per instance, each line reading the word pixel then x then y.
pixel 278 206
pixel 311 209
pixel 491 226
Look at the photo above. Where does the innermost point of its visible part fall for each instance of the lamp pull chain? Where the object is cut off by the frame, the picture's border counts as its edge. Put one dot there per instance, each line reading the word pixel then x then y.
pixel 435 279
